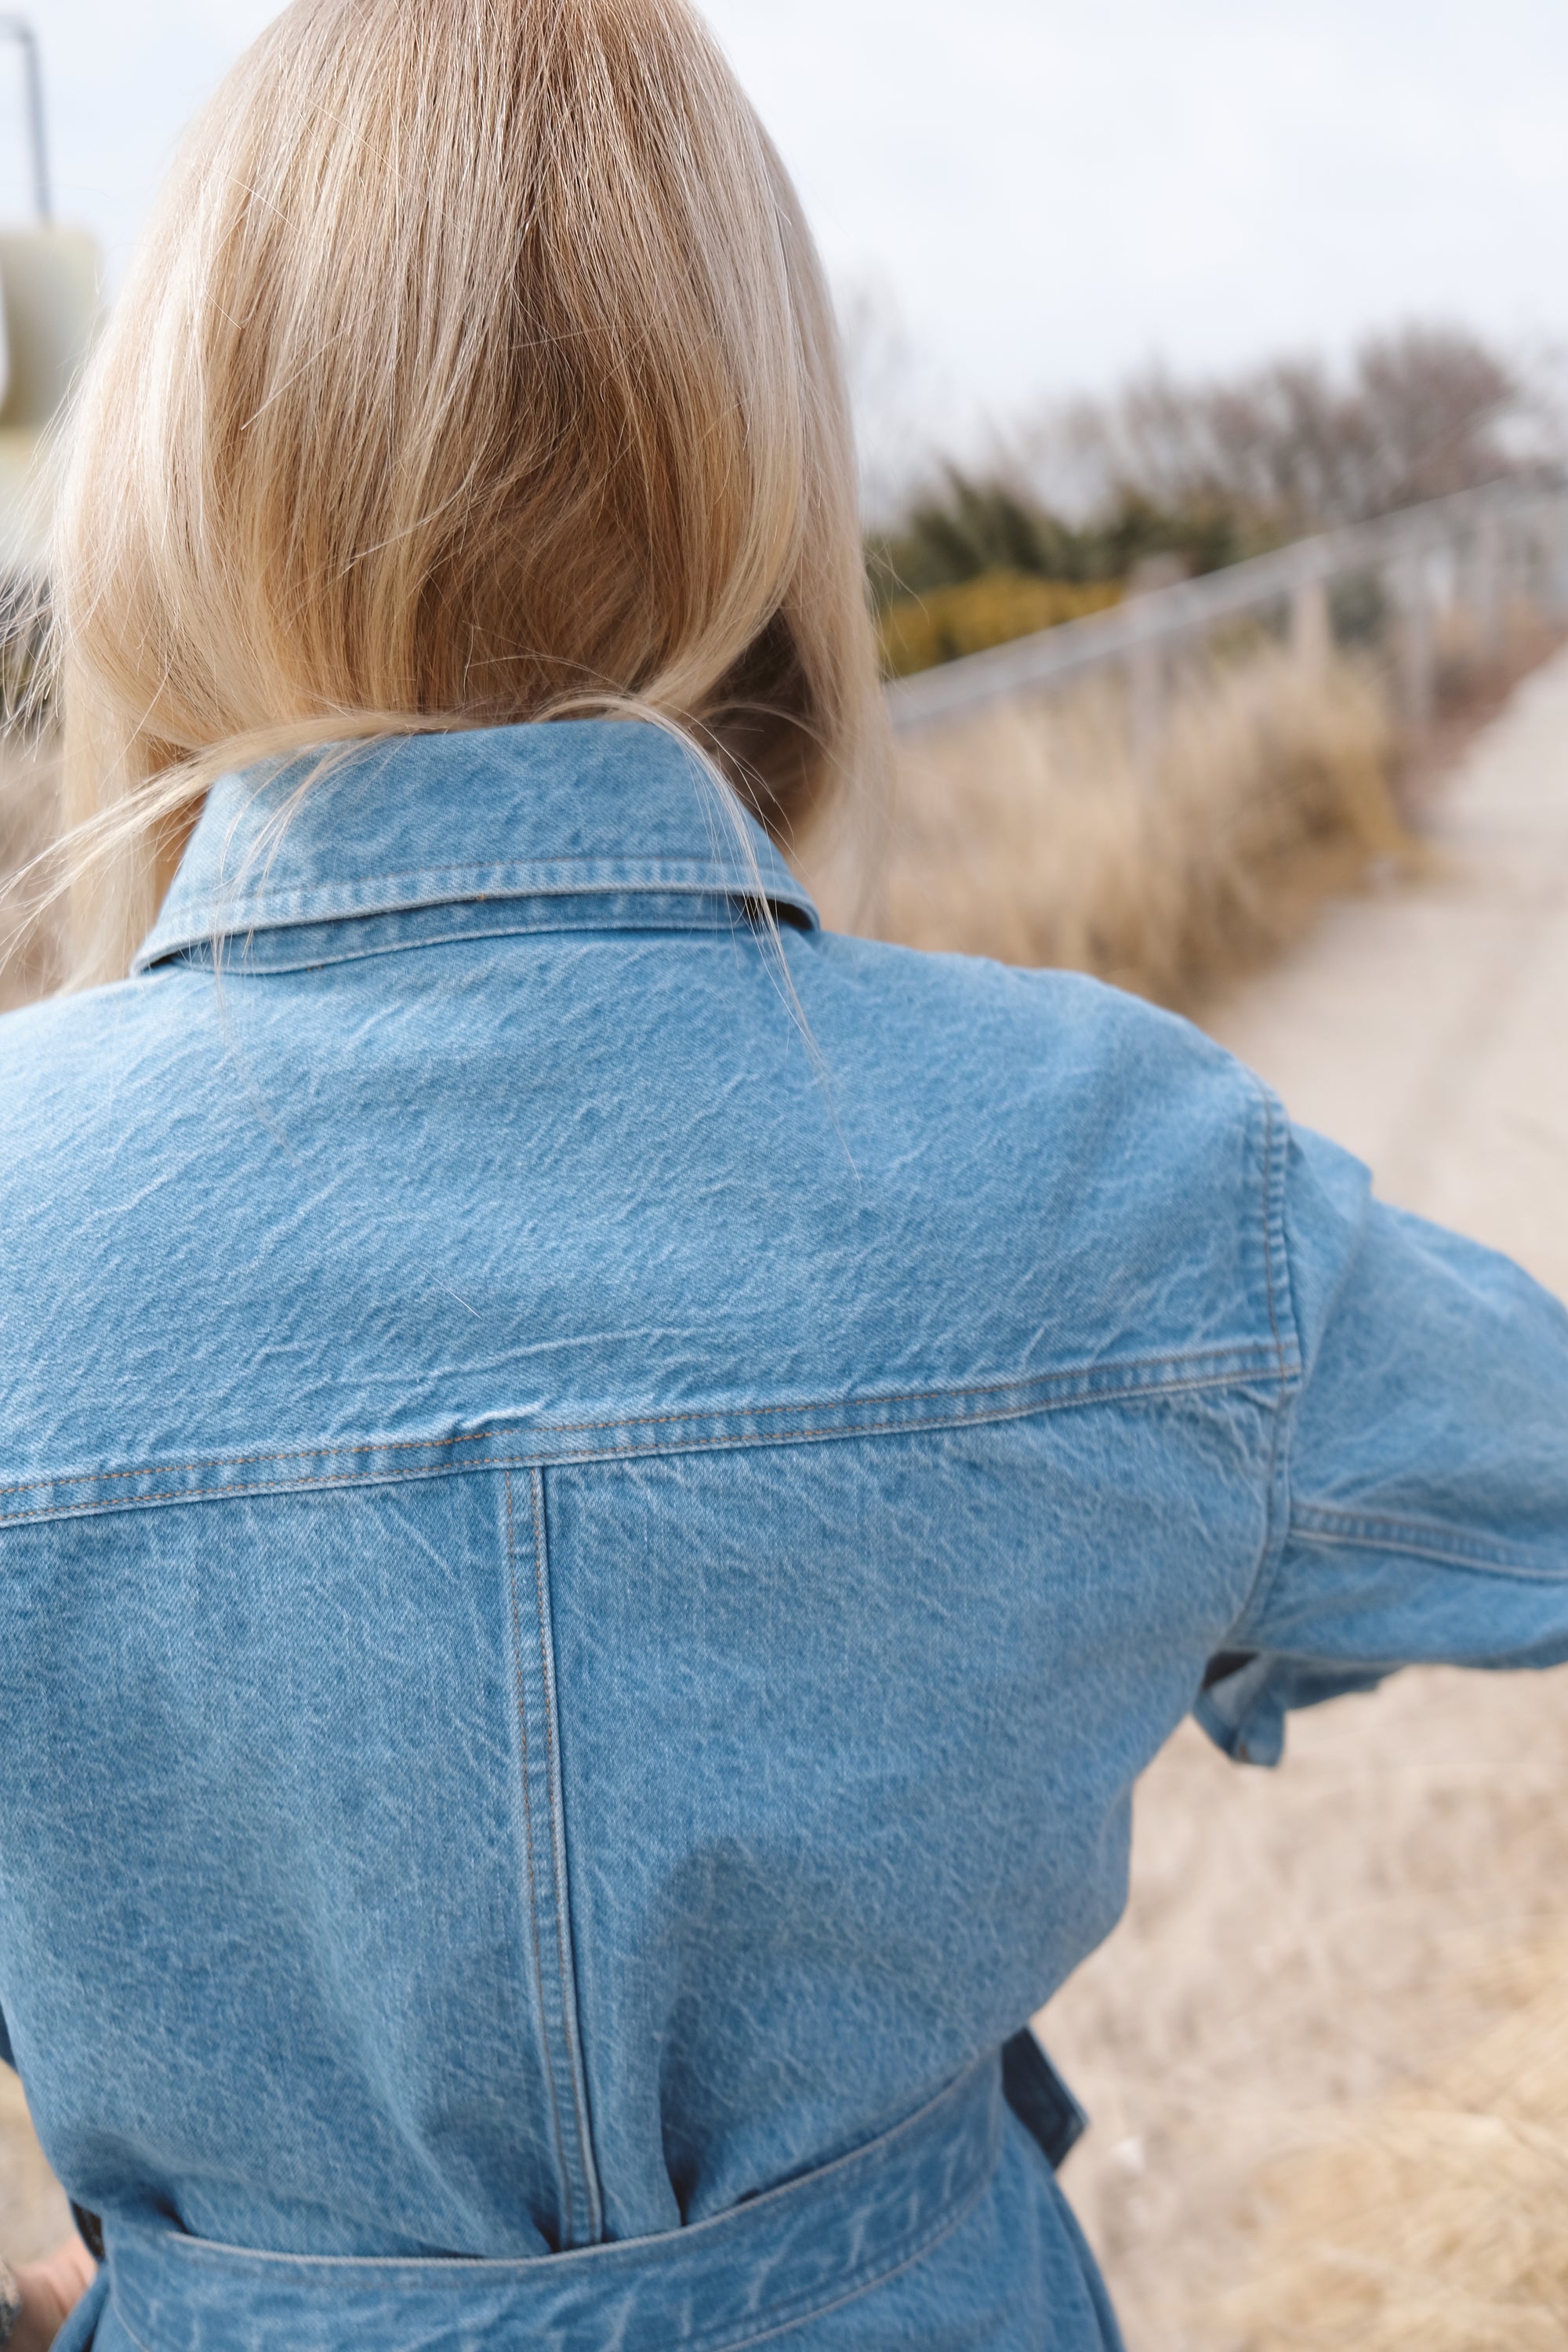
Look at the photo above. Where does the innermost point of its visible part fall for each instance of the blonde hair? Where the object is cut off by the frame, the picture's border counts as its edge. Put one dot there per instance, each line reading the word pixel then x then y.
pixel 476 366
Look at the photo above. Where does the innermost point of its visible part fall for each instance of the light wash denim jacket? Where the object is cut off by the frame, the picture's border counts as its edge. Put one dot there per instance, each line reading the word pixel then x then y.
pixel 599 1511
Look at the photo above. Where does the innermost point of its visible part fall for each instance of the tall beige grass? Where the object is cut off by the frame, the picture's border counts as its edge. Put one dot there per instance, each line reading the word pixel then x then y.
pixel 1434 2220
pixel 1033 832
pixel 1317 1968
pixel 31 947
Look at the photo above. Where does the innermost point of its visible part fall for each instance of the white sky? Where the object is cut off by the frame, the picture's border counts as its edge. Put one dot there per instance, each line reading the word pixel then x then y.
pixel 1050 190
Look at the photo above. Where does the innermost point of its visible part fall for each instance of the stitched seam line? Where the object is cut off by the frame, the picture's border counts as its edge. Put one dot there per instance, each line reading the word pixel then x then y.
pixel 621 920
pixel 558 1851
pixel 804 2307
pixel 906 2257
pixel 1385 1533
pixel 695 872
pixel 131 2332
pixel 1269 1228
pixel 528 1830
pixel 371 1477
pixel 1042 1381
pixel 691 879
pixel 245 1461
pixel 249 967
pixel 1275 1535
pixel 608 2260
pixel 1276 1506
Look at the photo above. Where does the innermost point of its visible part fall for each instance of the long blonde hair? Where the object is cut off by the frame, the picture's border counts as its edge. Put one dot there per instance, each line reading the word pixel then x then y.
pixel 476 366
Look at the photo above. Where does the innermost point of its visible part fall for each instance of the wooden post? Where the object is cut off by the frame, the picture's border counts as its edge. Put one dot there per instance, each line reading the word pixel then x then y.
pixel 1557 539
pixel 1311 629
pixel 1148 664
pixel 1414 653
pixel 1146 685
pixel 1486 588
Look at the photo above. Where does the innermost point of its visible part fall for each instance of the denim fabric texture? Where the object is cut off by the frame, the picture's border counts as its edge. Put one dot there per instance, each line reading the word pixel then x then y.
pixel 602 1501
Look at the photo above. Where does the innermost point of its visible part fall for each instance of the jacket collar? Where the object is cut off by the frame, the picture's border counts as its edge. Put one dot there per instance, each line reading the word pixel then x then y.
pixel 614 810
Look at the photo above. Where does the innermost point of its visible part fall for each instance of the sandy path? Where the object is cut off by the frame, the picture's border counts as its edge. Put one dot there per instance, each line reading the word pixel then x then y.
pixel 1298 1941
pixel 1301 1941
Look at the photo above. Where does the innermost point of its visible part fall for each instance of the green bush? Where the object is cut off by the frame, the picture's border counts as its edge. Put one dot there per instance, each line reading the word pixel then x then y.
pixel 975 529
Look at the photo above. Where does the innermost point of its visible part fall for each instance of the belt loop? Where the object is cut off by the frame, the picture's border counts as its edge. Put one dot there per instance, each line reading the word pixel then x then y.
pixel 1040 2099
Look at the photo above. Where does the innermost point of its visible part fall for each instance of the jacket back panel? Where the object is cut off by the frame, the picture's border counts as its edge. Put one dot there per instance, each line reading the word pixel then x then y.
pixel 590 1555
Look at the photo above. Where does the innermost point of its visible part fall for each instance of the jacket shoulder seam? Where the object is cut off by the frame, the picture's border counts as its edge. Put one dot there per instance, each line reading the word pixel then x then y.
pixel 503 1446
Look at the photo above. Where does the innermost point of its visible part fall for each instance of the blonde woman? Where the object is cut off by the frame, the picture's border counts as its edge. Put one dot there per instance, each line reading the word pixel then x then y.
pixel 603 1494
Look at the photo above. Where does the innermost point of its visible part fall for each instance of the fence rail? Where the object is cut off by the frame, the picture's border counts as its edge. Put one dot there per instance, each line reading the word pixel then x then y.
pixel 1481 550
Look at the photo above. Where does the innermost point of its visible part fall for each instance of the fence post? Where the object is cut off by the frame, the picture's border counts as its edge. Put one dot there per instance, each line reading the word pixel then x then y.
pixel 1481 538
pixel 1414 652
pixel 1312 631
pixel 1148 664
pixel 1146 691
pixel 1485 588
pixel 1556 564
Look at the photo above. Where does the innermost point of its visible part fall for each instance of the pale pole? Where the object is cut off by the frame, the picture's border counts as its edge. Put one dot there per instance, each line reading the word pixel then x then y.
pixel 18 29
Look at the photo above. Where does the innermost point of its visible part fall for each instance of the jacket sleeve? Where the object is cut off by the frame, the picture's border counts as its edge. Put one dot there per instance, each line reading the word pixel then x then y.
pixel 6 2058
pixel 1420 1504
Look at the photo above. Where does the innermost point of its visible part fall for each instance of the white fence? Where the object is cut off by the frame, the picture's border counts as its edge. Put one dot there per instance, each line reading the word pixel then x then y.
pixel 1482 552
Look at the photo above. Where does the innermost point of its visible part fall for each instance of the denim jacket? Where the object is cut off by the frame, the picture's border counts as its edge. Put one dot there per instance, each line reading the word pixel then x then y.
pixel 603 1497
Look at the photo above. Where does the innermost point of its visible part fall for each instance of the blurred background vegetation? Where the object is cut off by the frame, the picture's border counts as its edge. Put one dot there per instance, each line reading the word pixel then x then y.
pixel 1072 506
pixel 1170 843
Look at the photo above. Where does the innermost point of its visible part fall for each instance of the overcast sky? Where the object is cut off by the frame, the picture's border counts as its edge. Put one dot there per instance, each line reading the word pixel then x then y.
pixel 1048 191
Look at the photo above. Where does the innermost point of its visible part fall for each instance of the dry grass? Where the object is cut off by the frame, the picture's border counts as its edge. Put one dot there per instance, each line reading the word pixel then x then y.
pixel 29 952
pixel 1329 2011
pixel 1433 2221
pixel 1033 834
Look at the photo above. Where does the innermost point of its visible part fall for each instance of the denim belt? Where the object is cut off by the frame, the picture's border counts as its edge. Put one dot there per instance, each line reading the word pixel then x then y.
pixel 778 2259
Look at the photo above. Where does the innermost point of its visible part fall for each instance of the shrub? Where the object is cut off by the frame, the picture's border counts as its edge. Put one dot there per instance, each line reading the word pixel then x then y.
pixel 967 529
pixel 916 632
pixel 1212 472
